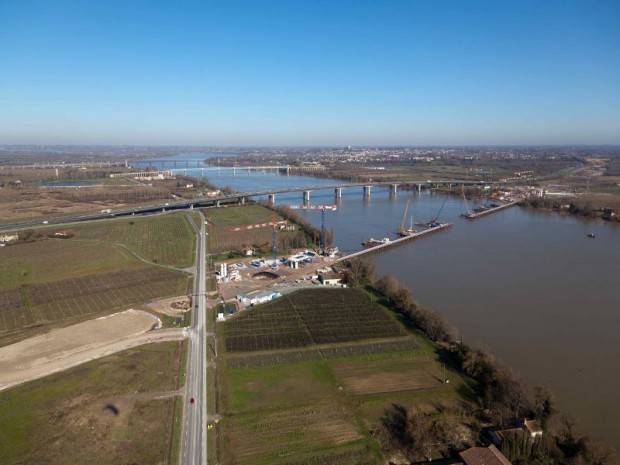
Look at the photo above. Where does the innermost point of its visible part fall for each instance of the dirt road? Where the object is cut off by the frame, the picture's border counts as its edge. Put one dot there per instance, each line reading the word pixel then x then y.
pixel 67 347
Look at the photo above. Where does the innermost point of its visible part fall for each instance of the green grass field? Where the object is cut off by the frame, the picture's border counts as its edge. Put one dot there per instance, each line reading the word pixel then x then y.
pixel 238 215
pixel 318 404
pixel 64 418
pixel 223 239
pixel 57 281
pixel 164 239
pixel 53 260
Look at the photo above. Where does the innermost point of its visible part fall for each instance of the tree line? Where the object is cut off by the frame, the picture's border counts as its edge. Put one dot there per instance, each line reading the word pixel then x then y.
pixel 500 395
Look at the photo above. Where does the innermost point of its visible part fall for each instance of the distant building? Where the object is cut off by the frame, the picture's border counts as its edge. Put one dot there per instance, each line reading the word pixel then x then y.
pixel 258 297
pixel 223 270
pixel 484 456
pixel 146 175
pixel 533 428
pixel 331 279
pixel 331 251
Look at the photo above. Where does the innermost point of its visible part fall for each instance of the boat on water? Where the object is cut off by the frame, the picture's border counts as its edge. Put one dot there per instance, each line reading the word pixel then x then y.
pixel 404 232
pixel 592 235
pixel 375 242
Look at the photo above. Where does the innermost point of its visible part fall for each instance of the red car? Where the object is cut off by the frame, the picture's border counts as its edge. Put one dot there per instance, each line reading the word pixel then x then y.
pixel 192 400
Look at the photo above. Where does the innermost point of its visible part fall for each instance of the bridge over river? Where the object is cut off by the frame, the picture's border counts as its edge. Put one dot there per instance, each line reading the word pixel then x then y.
pixel 237 197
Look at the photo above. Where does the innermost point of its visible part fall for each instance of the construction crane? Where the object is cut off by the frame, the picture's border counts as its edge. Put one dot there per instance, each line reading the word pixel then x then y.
pixel 317 207
pixel 401 230
pixel 433 223
pixel 275 259
pixel 469 213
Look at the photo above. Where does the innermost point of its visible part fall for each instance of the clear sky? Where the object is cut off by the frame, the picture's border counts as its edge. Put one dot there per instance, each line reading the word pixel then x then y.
pixel 310 72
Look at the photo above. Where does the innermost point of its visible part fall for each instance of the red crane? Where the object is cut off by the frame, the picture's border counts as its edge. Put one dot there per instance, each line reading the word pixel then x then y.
pixel 246 227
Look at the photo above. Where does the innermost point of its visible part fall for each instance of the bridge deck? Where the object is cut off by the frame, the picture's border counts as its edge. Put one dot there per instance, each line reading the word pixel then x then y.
pixel 490 210
pixel 394 243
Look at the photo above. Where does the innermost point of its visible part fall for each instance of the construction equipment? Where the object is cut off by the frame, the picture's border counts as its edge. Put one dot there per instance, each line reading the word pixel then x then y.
pixel 275 260
pixel 402 231
pixel 469 213
pixel 317 207
pixel 435 221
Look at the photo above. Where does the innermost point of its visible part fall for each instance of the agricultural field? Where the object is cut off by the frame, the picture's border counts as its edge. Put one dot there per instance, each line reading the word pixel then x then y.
pixel 61 301
pixel 318 403
pixel 320 435
pixel 48 260
pixel 118 409
pixel 309 317
pixel 164 239
pixel 255 360
pixel 58 280
pixel 222 237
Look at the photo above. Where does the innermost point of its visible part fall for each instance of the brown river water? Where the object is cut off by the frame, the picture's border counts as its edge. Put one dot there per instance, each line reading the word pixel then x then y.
pixel 530 285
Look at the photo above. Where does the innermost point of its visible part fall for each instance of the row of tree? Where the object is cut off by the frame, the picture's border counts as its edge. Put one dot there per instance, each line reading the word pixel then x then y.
pixel 314 234
pixel 501 395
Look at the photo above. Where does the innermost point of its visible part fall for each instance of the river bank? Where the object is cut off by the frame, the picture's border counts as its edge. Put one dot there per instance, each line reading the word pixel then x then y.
pixel 504 400
pixel 526 283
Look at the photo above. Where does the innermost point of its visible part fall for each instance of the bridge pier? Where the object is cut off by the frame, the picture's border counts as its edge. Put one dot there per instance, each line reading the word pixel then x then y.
pixel 419 188
pixel 338 192
pixel 242 200
pixel 393 188
pixel 272 198
pixel 217 204
pixel 306 197
pixel 367 191
pixel 234 171
pixel 202 172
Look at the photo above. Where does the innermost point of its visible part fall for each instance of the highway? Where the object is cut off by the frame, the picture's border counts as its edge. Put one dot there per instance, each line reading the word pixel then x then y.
pixel 194 432
pixel 198 202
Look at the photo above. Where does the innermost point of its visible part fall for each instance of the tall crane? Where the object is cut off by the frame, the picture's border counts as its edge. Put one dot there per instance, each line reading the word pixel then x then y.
pixel 275 260
pixel 317 207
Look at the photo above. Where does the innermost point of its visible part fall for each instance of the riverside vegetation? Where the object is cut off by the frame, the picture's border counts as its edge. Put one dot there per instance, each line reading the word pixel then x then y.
pixel 501 396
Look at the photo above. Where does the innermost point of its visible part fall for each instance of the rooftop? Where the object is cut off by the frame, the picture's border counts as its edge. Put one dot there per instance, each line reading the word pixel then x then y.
pixel 484 456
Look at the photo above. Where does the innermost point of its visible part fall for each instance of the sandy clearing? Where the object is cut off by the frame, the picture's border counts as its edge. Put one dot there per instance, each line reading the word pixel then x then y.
pixel 172 306
pixel 67 347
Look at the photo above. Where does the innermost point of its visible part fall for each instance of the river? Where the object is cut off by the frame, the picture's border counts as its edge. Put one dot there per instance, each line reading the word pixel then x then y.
pixel 529 285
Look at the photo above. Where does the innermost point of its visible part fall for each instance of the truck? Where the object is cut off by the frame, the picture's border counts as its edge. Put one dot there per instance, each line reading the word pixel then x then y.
pixel 106 210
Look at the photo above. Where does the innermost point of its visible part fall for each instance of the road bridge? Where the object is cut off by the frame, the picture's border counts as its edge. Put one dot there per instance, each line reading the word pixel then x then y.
pixel 199 163
pixel 54 165
pixel 238 197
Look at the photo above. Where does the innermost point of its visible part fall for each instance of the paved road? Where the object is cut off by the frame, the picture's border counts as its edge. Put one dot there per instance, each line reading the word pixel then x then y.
pixel 199 202
pixel 194 439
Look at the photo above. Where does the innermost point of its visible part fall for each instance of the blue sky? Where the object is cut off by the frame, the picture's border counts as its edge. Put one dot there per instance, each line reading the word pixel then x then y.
pixel 309 72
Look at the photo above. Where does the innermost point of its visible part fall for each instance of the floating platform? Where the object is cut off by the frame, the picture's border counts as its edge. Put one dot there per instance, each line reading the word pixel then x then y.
pixel 473 216
pixel 396 242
